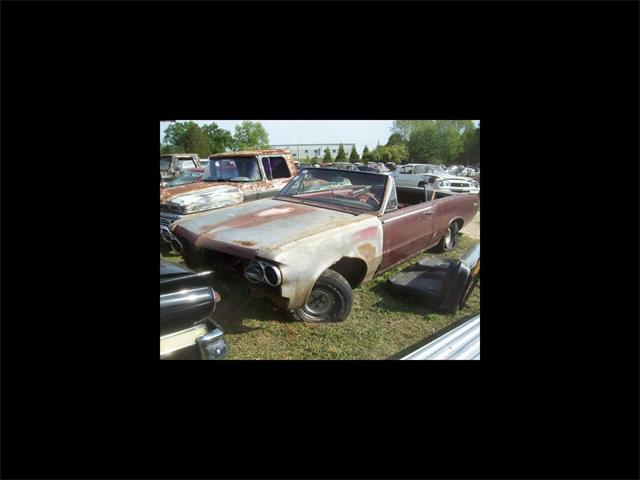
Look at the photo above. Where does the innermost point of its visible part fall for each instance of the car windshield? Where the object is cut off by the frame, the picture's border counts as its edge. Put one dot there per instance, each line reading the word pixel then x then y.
pixel 186 163
pixel 236 169
pixel 184 179
pixel 428 169
pixel 340 188
pixel 165 163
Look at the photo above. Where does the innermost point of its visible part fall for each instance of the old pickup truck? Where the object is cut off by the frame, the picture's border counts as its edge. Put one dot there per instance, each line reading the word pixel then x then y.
pixel 174 164
pixel 324 234
pixel 234 177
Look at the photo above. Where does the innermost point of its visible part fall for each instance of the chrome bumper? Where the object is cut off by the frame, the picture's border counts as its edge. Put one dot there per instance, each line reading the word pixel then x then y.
pixel 194 343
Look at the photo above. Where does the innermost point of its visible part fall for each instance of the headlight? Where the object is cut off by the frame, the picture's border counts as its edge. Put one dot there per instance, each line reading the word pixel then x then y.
pixel 440 184
pixel 475 184
pixel 262 272
pixel 446 184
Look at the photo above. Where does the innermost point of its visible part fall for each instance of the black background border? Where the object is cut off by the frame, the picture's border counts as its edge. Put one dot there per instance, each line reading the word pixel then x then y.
pixel 555 86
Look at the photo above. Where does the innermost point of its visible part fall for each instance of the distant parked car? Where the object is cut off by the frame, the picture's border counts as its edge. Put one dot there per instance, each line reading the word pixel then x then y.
pixel 375 168
pixel 435 177
pixel 391 166
pixel 173 164
pixel 187 303
pixel 454 169
pixel 345 166
pixel 469 172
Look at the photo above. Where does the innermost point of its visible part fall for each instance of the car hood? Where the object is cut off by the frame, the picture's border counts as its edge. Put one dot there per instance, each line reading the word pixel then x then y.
pixel 170 193
pixel 261 228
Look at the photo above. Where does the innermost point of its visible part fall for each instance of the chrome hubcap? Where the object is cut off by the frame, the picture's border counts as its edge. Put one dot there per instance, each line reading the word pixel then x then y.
pixel 447 238
pixel 320 302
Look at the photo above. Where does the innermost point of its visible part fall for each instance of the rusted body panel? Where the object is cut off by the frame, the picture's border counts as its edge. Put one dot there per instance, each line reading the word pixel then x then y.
pixel 302 240
pixel 224 194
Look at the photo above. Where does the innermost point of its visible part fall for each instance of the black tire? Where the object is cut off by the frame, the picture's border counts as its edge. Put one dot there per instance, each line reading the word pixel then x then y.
pixel 330 300
pixel 449 240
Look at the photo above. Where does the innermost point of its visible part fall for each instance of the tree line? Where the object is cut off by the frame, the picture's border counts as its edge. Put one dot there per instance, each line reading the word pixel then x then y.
pixel 411 141
pixel 430 141
pixel 422 141
pixel 189 137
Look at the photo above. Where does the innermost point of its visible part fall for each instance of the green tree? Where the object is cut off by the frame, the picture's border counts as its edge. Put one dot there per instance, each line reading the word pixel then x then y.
pixel 366 154
pixel 392 153
pixel 176 133
pixel 433 141
pixel 219 139
pixel 250 135
pixel 395 139
pixel 327 156
pixel 353 156
pixel 471 147
pixel 186 137
pixel 167 149
pixel 196 141
pixel 342 156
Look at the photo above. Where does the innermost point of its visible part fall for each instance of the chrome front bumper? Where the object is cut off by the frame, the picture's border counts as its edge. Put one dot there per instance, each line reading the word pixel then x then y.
pixel 460 190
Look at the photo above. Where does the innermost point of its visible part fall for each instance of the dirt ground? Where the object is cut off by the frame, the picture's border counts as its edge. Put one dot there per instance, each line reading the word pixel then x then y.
pixel 473 229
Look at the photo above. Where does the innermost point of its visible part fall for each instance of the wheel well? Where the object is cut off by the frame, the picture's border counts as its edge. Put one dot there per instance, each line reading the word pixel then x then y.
pixel 460 223
pixel 352 269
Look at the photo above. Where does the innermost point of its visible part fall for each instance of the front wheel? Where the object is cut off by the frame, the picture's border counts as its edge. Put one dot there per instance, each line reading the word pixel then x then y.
pixel 449 241
pixel 330 300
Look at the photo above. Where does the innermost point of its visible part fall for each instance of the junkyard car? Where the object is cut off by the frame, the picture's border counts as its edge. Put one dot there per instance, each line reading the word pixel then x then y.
pixel 325 233
pixel 345 166
pixel 433 176
pixel 187 303
pixel 173 165
pixel 234 177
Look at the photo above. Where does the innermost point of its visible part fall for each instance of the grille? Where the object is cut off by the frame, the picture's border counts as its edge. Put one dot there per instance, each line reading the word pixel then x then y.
pixel 165 221
pixel 459 184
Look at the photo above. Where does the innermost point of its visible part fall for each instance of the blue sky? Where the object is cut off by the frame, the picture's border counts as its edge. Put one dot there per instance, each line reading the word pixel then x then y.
pixel 360 132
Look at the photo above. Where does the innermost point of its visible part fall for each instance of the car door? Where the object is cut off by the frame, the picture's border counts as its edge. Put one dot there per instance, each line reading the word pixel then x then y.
pixel 403 176
pixel 406 231
pixel 276 176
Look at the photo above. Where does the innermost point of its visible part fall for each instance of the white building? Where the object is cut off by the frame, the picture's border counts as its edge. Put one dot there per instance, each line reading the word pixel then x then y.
pixel 315 150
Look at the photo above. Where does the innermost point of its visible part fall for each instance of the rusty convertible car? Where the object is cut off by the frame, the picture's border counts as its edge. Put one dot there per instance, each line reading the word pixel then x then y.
pixel 324 234
pixel 234 177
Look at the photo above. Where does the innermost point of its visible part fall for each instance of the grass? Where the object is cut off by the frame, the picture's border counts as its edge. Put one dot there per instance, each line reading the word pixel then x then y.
pixel 380 326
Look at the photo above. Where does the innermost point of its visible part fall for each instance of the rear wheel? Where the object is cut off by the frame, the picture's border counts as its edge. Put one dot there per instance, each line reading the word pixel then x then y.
pixel 330 300
pixel 449 241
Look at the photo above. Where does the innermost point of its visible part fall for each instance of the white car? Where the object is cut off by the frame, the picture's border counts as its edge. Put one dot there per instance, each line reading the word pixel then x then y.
pixel 433 176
